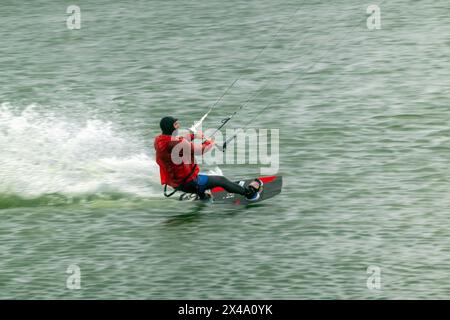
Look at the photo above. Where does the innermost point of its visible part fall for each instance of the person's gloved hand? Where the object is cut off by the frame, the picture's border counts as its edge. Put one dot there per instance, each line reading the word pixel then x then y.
pixel 210 141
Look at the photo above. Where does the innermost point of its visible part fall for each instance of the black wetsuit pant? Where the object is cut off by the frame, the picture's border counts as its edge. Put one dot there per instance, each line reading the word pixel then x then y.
pixel 214 181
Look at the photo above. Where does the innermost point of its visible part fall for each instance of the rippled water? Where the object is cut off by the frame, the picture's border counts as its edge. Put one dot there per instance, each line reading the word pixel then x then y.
pixel 364 145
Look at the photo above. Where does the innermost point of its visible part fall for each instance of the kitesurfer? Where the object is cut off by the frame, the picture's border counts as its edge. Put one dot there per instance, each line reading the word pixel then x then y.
pixel 185 176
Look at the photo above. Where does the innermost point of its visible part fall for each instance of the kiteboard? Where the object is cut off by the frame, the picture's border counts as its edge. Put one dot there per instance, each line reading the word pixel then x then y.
pixel 271 187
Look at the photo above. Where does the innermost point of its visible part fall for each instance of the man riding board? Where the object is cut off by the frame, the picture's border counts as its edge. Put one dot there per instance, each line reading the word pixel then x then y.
pixel 185 176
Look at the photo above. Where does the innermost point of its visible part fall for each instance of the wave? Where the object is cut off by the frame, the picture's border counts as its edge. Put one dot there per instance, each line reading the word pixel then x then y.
pixel 46 159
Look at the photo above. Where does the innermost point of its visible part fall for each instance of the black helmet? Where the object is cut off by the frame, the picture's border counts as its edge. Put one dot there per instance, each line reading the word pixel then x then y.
pixel 166 125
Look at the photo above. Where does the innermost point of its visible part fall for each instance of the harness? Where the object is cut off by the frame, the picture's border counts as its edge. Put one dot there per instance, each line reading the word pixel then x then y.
pixel 181 184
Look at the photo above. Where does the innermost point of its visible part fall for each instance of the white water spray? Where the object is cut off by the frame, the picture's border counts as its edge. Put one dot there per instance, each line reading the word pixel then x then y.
pixel 41 154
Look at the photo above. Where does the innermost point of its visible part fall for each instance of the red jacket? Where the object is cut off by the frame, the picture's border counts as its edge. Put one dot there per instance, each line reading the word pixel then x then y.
pixel 172 173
